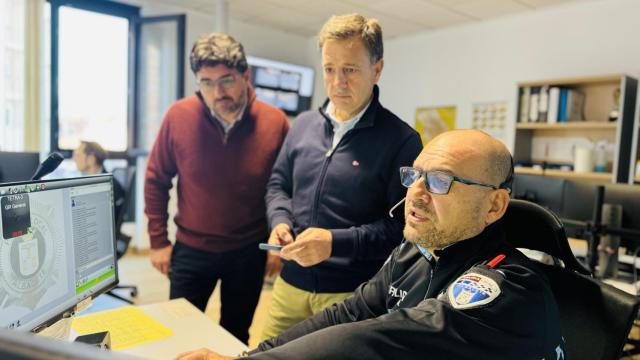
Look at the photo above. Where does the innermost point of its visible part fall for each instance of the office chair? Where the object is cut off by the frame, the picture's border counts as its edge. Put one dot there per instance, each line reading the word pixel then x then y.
pixel 595 317
pixel 123 240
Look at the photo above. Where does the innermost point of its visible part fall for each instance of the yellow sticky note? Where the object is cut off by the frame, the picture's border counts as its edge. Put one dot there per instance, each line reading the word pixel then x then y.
pixel 128 327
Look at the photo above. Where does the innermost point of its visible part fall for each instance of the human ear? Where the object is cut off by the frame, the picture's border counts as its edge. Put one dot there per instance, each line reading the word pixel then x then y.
pixel 499 201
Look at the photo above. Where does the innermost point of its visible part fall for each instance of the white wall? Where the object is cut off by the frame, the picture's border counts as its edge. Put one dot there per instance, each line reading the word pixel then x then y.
pixel 257 40
pixel 483 61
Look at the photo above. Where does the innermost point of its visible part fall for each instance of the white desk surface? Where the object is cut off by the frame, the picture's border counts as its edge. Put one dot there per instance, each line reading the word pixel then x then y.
pixel 191 330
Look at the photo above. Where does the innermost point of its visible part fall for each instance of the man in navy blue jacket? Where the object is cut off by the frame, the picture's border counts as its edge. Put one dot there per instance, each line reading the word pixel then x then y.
pixel 335 179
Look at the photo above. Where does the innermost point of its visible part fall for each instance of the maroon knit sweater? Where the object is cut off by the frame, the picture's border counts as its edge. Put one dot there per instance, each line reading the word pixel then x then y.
pixel 221 182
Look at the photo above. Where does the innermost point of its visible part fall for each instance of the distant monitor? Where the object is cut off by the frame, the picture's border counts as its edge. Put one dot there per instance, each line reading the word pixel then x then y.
pixel 57 248
pixel 18 166
pixel 287 101
pixel 284 85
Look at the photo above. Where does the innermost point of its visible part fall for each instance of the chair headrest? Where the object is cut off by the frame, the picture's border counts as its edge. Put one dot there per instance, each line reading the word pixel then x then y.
pixel 530 226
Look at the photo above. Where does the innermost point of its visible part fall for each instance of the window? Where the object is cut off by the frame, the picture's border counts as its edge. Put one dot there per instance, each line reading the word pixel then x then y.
pixel 92 77
pixel 12 15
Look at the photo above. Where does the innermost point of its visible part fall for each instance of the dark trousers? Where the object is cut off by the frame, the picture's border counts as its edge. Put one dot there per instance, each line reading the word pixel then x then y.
pixel 194 274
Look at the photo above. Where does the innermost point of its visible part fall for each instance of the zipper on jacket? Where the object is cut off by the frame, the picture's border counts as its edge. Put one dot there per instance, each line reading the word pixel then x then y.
pixel 316 198
pixel 323 173
pixel 433 270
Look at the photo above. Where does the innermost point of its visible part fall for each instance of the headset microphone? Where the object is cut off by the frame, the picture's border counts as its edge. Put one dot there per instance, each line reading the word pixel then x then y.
pixel 395 206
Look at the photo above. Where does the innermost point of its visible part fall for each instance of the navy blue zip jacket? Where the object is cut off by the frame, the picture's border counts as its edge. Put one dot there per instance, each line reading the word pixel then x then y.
pixel 348 191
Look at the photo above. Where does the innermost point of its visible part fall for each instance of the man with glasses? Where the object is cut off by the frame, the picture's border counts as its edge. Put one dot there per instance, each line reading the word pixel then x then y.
pixel 454 289
pixel 221 143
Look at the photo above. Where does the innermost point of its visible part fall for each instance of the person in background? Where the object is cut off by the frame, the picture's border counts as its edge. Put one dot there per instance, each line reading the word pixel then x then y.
pixel 89 158
pixel 221 143
pixel 455 289
pixel 335 180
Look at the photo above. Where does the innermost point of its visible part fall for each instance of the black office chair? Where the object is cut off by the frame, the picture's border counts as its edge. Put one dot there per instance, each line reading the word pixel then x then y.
pixel 595 317
pixel 127 174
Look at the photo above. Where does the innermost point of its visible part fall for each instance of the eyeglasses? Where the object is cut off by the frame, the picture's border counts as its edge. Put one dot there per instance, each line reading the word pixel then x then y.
pixel 225 82
pixel 437 182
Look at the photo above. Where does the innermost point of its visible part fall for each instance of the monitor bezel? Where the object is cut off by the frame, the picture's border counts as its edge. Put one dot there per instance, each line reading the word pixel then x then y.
pixel 76 181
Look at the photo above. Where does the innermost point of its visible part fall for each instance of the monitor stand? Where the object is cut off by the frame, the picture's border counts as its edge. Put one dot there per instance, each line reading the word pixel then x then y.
pixel 61 329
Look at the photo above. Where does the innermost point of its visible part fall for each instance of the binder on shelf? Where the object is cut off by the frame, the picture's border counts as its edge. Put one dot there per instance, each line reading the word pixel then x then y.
pixel 562 108
pixel 543 104
pixel 575 105
pixel 525 94
pixel 534 104
pixel 554 104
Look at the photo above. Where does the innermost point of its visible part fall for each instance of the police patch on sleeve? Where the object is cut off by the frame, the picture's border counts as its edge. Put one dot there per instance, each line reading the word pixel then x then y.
pixel 472 290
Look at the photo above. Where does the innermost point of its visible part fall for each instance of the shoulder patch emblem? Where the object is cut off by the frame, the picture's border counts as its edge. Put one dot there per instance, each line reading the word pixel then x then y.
pixel 472 290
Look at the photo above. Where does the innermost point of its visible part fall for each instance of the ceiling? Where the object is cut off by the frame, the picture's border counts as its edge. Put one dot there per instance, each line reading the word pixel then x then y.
pixel 397 17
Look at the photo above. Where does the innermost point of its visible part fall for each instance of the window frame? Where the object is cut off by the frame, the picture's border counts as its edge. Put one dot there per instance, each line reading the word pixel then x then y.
pixel 132 14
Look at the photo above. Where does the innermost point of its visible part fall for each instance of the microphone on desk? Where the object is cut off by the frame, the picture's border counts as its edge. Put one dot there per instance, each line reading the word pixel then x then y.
pixel 48 165
pixel 395 206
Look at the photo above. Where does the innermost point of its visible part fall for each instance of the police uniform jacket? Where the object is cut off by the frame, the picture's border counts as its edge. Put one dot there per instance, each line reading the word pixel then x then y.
pixel 457 307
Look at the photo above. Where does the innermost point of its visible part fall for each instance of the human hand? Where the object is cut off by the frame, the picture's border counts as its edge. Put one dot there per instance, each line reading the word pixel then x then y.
pixel 311 247
pixel 280 235
pixel 273 266
pixel 161 259
pixel 201 354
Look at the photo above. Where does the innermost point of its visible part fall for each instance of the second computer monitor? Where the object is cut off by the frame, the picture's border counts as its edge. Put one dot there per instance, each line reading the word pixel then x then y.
pixel 18 166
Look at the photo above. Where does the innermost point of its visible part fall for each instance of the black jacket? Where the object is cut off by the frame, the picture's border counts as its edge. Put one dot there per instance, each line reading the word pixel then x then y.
pixel 414 309
pixel 348 190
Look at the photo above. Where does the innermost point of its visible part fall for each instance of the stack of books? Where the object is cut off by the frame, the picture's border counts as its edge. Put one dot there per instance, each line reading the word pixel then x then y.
pixel 550 104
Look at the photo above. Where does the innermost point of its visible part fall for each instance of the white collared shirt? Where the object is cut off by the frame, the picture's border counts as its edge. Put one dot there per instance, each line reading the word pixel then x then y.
pixel 342 127
pixel 226 126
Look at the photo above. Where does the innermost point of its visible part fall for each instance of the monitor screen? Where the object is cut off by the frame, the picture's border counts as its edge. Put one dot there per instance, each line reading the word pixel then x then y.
pixel 18 166
pixel 284 85
pixel 57 247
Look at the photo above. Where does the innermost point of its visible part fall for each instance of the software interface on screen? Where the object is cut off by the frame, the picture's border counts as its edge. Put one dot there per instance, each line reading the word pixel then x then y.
pixel 56 247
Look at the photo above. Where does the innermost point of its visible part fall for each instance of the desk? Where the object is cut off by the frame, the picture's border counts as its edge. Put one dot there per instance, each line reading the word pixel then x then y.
pixel 191 330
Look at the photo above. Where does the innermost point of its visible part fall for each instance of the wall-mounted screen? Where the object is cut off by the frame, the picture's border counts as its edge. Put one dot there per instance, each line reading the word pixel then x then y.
pixel 286 86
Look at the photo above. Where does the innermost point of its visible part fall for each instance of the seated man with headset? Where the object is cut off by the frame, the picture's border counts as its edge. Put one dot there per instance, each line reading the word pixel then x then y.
pixel 453 290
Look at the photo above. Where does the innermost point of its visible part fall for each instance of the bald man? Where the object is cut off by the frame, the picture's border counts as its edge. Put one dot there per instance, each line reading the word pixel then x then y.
pixel 454 289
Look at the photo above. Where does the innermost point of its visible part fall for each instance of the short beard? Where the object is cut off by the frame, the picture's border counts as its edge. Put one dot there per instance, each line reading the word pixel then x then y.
pixel 237 105
pixel 432 238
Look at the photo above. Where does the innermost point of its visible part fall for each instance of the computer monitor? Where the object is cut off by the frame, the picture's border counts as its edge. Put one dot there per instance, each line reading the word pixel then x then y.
pixel 543 190
pixel 57 248
pixel 18 166
pixel 283 85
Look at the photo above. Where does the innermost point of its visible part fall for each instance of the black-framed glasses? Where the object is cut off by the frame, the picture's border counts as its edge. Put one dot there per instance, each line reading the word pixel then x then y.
pixel 436 181
pixel 226 82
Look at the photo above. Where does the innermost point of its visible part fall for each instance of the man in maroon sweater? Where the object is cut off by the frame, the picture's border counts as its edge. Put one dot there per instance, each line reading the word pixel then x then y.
pixel 221 143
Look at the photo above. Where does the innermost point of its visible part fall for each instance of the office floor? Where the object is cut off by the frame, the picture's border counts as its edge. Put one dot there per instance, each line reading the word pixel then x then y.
pixel 153 287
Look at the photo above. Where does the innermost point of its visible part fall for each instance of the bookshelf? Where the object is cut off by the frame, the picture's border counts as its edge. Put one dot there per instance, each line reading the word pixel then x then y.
pixel 571 112
pixel 606 176
pixel 596 125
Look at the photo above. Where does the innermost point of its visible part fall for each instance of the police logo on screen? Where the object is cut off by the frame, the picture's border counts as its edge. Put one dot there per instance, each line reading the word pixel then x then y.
pixel 29 263
pixel 472 290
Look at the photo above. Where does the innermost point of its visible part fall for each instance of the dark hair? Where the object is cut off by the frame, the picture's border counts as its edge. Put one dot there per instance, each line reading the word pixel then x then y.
pixel 218 49
pixel 343 27
pixel 93 148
